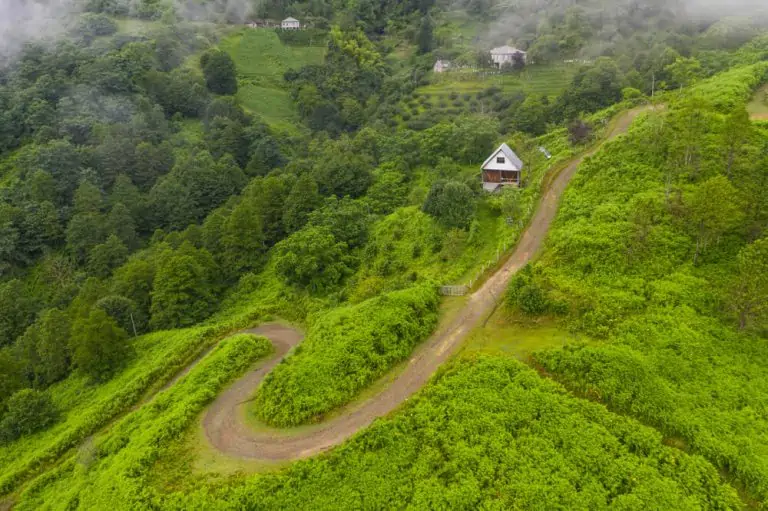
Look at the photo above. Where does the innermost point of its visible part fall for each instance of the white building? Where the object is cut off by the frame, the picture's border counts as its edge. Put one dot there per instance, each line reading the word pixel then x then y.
pixel 502 168
pixel 441 66
pixel 506 54
pixel 290 24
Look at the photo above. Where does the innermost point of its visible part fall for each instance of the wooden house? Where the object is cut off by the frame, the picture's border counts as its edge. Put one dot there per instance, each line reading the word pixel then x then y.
pixel 502 168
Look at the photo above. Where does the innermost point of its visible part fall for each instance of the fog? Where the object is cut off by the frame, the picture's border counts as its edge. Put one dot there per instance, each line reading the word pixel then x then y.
pixel 24 21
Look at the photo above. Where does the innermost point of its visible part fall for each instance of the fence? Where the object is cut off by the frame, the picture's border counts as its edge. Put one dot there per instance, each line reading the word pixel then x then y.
pixel 454 290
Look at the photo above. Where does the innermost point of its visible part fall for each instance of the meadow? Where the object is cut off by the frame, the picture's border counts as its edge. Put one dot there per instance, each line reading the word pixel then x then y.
pixel 262 60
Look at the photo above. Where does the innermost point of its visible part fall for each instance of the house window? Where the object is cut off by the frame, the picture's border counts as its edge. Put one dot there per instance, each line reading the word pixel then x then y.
pixel 500 159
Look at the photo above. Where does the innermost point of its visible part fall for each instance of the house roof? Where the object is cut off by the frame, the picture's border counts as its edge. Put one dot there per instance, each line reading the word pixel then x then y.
pixel 505 50
pixel 290 20
pixel 509 153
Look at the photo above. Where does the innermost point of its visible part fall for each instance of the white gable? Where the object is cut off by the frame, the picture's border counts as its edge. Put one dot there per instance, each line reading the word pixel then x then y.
pixel 503 158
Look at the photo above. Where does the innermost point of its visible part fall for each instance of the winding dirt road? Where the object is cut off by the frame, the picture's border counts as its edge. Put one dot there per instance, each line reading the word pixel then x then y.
pixel 224 422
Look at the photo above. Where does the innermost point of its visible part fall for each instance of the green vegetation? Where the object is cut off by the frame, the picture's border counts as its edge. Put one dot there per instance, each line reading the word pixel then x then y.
pixel 346 350
pixel 165 184
pixel 495 432
pixel 85 408
pixel 262 60
pixel 650 251
pixel 134 443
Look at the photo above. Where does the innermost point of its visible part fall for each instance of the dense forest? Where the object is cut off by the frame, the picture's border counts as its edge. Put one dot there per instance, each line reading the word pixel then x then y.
pixel 170 177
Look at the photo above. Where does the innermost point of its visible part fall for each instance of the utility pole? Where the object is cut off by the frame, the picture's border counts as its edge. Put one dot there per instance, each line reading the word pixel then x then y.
pixel 135 334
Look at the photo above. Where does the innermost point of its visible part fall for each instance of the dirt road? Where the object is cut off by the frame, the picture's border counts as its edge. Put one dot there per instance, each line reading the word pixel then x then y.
pixel 224 423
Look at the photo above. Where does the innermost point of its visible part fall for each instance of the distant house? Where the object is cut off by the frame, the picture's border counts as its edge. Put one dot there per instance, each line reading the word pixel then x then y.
pixel 507 55
pixel 290 24
pixel 441 66
pixel 502 168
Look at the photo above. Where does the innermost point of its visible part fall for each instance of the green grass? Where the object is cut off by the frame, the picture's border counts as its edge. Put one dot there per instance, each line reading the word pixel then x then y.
pixel 519 337
pixel 550 80
pixel 262 60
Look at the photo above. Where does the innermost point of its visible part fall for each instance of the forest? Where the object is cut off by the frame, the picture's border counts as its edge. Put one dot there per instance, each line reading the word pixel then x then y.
pixel 171 178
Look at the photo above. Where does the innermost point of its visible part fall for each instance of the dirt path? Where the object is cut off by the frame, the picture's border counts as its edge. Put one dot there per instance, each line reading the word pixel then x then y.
pixel 224 423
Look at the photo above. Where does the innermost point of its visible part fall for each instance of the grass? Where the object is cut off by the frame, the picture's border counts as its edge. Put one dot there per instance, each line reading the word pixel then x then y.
pixel 550 80
pixel 262 60
pixel 758 106
pixel 508 335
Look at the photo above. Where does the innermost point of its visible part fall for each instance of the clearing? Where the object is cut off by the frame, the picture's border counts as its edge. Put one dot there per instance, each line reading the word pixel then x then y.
pixel 262 60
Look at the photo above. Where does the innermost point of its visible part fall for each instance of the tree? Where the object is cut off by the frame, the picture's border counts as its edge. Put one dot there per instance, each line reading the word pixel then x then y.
pixel 242 237
pixel 451 203
pixel 152 162
pixel 347 219
pixel 182 293
pixel 121 224
pixel 44 348
pixel 339 172
pixel 301 201
pixel 11 375
pixel 749 296
pixel 29 411
pixel 312 258
pixel 425 39
pixel 134 280
pixel 736 132
pixel 85 231
pixel 712 209
pixel 219 71
pixel 225 136
pixel 53 345
pixel 107 256
pixel 88 199
pixel 124 311
pixel 17 311
pixel 99 345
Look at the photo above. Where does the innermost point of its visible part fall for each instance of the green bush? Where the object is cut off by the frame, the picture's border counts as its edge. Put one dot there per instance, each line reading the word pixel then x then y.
pixel 28 411
pixel 345 350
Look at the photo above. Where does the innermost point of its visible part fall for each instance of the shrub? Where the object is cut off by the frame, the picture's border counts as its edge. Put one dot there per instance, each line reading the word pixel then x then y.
pixel 451 203
pixel 345 350
pixel 28 411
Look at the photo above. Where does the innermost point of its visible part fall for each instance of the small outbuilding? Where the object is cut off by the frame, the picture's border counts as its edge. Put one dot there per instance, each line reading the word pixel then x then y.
pixel 441 66
pixel 502 168
pixel 290 24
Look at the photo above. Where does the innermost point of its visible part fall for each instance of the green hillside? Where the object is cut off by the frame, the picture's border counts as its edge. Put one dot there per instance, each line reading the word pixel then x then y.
pixel 262 60
pixel 248 268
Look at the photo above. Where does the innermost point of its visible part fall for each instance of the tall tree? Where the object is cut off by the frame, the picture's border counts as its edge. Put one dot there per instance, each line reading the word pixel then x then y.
pixel 99 345
pixel 712 209
pixel 220 72
pixel 302 200
pixel 182 292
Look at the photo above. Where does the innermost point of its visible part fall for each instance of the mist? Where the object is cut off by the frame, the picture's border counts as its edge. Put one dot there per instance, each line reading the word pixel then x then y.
pixel 23 21
pixel 46 21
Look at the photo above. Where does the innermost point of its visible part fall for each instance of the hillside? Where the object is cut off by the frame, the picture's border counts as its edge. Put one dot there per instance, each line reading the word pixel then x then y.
pixel 261 268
